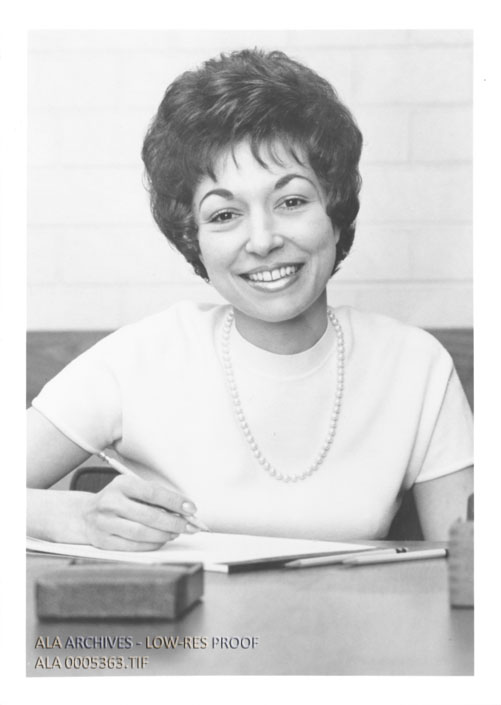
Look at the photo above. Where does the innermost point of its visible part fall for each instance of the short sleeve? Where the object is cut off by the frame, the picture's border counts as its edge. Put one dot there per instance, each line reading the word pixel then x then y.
pixel 83 400
pixel 450 446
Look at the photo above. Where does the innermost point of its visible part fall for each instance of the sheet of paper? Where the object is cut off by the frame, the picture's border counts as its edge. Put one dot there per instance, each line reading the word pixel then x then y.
pixel 214 550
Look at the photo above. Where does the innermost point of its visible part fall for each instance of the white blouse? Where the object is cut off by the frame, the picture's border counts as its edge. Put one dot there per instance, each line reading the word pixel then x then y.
pixel 156 393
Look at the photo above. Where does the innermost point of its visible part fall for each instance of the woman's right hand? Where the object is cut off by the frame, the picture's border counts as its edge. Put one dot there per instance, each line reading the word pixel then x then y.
pixel 131 514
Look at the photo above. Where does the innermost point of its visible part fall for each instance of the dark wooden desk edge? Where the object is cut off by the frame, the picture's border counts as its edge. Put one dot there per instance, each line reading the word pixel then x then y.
pixel 230 600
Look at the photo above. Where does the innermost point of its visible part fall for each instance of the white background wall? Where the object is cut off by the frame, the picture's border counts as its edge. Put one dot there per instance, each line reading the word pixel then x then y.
pixel 95 258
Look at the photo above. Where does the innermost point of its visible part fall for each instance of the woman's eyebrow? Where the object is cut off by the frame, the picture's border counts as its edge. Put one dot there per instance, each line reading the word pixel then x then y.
pixel 223 192
pixel 284 180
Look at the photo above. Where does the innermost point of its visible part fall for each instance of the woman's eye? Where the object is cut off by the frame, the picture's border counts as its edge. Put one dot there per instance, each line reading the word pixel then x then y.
pixel 222 217
pixel 293 202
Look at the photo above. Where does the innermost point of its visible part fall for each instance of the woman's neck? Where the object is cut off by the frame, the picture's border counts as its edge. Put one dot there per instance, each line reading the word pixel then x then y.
pixel 285 337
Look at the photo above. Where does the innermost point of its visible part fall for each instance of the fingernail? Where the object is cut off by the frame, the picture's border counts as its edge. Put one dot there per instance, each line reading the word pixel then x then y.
pixel 190 529
pixel 189 508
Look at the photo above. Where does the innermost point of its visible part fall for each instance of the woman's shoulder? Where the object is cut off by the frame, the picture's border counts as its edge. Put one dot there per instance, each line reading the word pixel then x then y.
pixel 177 327
pixel 182 315
pixel 389 335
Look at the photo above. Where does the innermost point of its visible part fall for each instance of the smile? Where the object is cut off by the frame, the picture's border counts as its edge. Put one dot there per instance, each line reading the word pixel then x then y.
pixel 273 279
pixel 269 275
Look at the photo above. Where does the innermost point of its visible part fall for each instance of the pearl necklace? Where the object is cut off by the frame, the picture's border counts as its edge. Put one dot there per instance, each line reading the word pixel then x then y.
pixel 242 421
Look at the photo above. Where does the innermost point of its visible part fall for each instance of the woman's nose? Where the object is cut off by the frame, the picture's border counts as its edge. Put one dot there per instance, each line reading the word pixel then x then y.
pixel 263 236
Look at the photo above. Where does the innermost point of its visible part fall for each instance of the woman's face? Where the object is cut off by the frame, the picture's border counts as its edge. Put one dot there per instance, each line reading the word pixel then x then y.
pixel 266 241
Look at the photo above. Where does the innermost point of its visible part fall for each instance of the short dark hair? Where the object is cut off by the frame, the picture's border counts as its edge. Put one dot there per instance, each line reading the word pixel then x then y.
pixel 257 96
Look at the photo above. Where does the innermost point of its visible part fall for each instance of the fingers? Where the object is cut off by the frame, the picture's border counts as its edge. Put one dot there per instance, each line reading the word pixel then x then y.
pixel 148 503
pixel 106 529
pixel 134 515
pixel 155 493
pixel 150 516
pixel 134 532
pixel 111 542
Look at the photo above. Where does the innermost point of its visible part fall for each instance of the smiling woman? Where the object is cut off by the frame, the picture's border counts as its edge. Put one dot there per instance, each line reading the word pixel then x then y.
pixel 268 246
pixel 276 413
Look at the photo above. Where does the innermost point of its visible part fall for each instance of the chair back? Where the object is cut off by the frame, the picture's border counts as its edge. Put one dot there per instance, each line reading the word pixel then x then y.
pixel 92 479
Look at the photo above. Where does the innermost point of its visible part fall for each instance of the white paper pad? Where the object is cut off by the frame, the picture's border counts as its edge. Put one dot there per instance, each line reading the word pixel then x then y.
pixel 217 552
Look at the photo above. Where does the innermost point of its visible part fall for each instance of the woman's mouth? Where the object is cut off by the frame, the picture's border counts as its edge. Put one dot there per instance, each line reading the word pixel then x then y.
pixel 273 279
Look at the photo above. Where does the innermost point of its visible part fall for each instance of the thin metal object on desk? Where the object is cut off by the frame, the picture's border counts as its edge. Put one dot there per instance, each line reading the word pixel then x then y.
pixel 340 557
pixel 398 557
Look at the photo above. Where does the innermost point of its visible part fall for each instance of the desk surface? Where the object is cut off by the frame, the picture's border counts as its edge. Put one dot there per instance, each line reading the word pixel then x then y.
pixel 391 619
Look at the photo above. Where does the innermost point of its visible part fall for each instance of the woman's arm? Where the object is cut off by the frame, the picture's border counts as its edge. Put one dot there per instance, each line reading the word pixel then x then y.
pixel 51 455
pixel 52 515
pixel 128 514
pixel 441 501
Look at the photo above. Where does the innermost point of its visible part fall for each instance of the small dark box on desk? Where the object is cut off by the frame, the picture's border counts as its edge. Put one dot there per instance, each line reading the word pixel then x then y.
pixel 118 591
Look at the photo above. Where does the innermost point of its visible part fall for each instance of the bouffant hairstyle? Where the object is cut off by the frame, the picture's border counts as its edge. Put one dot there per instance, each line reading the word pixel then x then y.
pixel 262 97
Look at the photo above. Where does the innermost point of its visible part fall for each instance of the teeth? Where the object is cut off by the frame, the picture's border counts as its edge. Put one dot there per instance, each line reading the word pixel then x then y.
pixel 274 274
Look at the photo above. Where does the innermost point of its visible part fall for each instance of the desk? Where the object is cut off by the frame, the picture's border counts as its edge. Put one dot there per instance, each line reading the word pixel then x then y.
pixel 389 619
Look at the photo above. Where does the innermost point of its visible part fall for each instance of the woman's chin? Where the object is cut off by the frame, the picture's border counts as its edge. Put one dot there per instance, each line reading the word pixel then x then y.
pixel 275 301
pixel 277 311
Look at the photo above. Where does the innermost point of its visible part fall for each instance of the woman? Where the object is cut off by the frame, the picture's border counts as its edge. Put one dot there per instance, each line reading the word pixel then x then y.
pixel 274 414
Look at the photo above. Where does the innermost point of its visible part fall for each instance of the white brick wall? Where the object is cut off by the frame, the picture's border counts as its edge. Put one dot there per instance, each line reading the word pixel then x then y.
pixel 96 259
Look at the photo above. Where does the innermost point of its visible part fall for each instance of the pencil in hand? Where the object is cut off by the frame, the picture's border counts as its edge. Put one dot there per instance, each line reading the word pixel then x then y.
pixel 124 470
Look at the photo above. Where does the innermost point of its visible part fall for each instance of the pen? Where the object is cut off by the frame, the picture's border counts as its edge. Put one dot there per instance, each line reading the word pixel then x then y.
pixel 396 558
pixel 124 470
pixel 340 557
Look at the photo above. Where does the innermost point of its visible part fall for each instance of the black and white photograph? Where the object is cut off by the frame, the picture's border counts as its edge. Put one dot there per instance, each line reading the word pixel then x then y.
pixel 285 392
pixel 249 354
